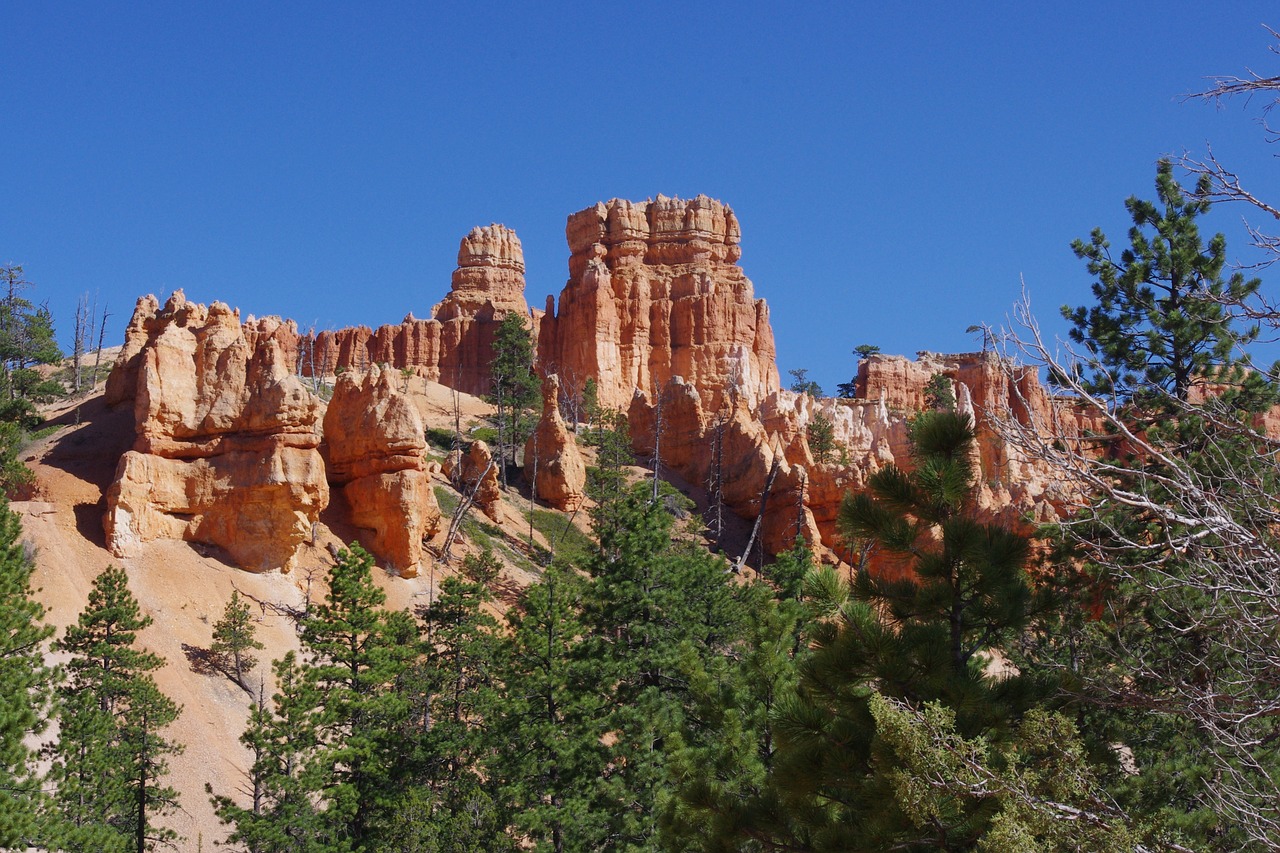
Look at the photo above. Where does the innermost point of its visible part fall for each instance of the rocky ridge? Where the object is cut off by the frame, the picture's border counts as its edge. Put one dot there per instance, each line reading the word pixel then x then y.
pixel 656 310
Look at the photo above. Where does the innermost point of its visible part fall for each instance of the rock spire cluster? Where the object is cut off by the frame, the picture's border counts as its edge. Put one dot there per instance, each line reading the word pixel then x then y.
pixel 233 449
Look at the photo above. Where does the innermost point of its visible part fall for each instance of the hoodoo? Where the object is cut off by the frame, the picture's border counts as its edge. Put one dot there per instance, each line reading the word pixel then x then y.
pixel 655 291
pixel 377 454
pixel 226 448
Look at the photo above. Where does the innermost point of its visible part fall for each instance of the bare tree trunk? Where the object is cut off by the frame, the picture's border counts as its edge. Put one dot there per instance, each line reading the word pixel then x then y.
pixel 657 445
pixel 755 528
pixel 81 334
pixel 102 333
pixel 463 505
pixel 533 488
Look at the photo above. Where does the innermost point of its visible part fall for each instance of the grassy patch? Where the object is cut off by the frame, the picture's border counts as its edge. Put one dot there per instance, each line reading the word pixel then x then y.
pixel 441 438
pixel 569 542
pixel 44 432
pixel 448 500
pixel 479 532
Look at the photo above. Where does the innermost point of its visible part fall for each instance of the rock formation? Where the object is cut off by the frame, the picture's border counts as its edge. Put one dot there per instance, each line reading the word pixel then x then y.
pixel 473 470
pixel 552 452
pixel 122 382
pixel 376 452
pixel 656 310
pixel 226 448
pixel 655 291
pixel 871 432
pixel 455 346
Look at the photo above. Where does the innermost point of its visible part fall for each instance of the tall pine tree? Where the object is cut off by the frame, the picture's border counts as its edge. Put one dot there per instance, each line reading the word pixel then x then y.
pixel 25 688
pixel 111 758
pixel 1159 324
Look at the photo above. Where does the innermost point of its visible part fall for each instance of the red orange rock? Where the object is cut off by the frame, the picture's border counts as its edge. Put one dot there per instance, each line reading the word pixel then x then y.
pixel 376 451
pixel 226 441
pixel 551 455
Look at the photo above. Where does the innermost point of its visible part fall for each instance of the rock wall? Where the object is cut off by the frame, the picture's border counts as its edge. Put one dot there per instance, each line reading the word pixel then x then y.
pixel 375 446
pixel 655 291
pixel 226 447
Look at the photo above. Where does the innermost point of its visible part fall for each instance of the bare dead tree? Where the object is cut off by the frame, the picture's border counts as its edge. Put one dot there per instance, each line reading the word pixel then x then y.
pixel 1206 552
pixel 468 498
pixel 82 336
pixel 533 487
pixel 764 501
pixel 1226 184
pixel 658 425
pixel 715 479
pixel 102 334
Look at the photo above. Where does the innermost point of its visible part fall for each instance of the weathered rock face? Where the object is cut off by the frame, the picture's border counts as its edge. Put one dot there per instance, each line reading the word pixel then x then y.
pixel 455 346
pixel 226 448
pixel 552 452
pixel 123 380
pixel 655 291
pixel 744 442
pixel 472 470
pixel 376 451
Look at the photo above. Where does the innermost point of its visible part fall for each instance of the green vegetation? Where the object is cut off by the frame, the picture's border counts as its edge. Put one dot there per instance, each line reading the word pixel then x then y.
pixel 26 689
pixel 802 384
pixel 822 437
pixel 234 641
pixel 943 694
pixel 514 389
pixel 1159 324
pixel 111 757
pixel 569 543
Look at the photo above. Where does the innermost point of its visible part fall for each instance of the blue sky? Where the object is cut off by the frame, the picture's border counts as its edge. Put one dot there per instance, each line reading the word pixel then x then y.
pixel 897 168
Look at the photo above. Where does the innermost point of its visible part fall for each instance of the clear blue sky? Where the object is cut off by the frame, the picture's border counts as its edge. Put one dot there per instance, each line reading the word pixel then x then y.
pixel 896 167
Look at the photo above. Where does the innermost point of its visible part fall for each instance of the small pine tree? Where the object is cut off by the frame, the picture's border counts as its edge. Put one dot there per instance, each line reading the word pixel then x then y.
pixel 822 438
pixel 514 384
pixel 234 641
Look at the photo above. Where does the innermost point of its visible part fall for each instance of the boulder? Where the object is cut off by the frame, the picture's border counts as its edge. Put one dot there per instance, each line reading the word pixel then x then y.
pixel 473 470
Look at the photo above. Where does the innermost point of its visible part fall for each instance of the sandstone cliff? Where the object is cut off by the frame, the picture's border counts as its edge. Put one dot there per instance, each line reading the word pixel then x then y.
pixel 731 451
pixel 226 447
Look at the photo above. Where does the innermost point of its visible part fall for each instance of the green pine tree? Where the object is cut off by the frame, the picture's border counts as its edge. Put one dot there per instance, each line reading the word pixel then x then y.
pixel 110 759
pixel 328 753
pixel 658 611
pixel 514 384
pixel 26 683
pixel 282 815
pixel 918 634
pixel 452 696
pixel 547 759
pixel 26 340
pixel 1159 324
pixel 234 641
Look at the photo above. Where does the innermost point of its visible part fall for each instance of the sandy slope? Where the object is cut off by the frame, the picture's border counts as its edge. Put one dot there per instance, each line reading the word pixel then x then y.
pixel 185 588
